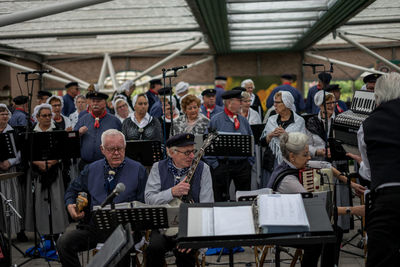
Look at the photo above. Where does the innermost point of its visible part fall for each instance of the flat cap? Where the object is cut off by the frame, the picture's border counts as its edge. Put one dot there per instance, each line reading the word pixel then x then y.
pixel 209 92
pixel 287 76
pixel 223 78
pixel 371 78
pixel 333 87
pixel 239 88
pixel 42 93
pixel 68 85
pixel 325 77
pixel 232 94
pixel 96 95
pixel 179 140
pixel 155 81
pixel 165 91
pixel 20 100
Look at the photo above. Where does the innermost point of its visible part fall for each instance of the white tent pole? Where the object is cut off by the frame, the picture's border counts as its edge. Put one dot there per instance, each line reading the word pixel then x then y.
pixel 45 75
pixel 343 63
pixel 111 71
pixel 201 61
pixel 47 10
pixel 165 60
pixel 102 75
pixel 67 75
pixel 368 51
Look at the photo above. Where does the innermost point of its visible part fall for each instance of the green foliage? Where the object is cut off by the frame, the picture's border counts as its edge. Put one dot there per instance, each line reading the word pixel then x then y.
pixel 347 91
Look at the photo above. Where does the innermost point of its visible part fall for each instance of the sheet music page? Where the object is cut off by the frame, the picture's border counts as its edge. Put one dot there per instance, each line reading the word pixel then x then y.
pixel 200 222
pixel 282 210
pixel 233 220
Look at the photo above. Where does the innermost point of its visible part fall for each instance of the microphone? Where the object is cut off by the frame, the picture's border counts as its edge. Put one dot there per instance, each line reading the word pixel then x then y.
pixel 178 68
pixel 118 189
pixel 312 65
pixel 316 164
pixel 35 72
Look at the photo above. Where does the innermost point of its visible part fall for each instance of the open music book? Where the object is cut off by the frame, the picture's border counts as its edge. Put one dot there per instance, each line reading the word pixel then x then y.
pixel 282 213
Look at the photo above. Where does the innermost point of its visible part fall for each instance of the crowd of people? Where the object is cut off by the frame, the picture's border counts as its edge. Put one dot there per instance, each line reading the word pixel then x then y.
pixel 289 140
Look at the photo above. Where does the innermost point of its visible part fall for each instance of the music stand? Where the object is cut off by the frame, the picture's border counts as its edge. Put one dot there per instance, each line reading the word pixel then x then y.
pixel 43 146
pixel 7 146
pixel 146 152
pixel 229 145
pixel 115 248
pixel 141 218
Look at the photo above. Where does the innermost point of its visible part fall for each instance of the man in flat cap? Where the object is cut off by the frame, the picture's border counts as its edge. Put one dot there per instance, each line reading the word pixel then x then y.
pixel 209 108
pixel 220 84
pixel 20 115
pixel 226 169
pixel 92 125
pixel 42 96
pixel 152 93
pixel 167 180
pixel 68 98
pixel 324 80
pixel 340 105
pixel 286 80
pixel 370 81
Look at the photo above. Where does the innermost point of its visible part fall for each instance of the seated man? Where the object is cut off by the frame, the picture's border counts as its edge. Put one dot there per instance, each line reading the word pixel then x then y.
pixel 98 180
pixel 167 180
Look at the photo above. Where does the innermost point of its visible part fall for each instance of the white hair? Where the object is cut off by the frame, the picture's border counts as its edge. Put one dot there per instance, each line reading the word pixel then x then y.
pixel 38 108
pixel 172 148
pixel 111 132
pixel 55 97
pixel 243 84
pixel 294 142
pixel 8 111
pixel 77 97
pixel 387 87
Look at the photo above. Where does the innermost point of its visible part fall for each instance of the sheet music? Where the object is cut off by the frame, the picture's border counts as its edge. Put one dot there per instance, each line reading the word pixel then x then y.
pixel 220 221
pixel 233 220
pixel 282 210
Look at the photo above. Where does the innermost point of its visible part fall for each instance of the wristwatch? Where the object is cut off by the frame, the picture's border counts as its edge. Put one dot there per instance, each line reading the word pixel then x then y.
pixel 348 210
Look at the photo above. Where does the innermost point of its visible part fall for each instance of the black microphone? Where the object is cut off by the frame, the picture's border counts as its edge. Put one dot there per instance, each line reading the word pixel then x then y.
pixel 178 68
pixel 118 189
pixel 25 72
pixel 42 71
pixel 312 64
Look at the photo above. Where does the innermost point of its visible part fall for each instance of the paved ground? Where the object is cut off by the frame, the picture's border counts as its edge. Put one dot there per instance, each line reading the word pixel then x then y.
pixel 245 258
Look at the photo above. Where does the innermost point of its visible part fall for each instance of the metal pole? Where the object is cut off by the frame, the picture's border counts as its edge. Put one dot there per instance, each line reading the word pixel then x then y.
pixel 368 51
pixel 343 63
pixel 102 73
pixel 165 60
pixel 191 65
pixel 46 75
pixel 66 75
pixel 111 71
pixel 43 11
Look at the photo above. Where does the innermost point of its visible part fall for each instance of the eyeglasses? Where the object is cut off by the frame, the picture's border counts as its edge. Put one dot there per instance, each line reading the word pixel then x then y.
pixel 114 149
pixel 56 105
pixel 187 153
pixel 46 115
pixel 278 102
pixel 331 103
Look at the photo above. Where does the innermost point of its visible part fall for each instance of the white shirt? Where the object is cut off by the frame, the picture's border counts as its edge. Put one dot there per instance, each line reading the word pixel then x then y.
pixel 143 123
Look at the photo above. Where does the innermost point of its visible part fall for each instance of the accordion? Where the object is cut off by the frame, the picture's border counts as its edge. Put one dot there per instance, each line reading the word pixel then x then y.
pixel 317 180
pixel 346 124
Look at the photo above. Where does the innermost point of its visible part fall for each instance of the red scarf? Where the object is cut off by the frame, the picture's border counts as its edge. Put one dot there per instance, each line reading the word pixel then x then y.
pixel 287 83
pixel 220 86
pixel 319 87
pixel 340 110
pixel 154 92
pixel 234 116
pixel 97 119
pixel 209 110
pixel 20 109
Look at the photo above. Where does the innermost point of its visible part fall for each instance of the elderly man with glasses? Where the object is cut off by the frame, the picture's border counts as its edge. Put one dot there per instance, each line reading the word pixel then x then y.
pixel 98 180
pixel 167 180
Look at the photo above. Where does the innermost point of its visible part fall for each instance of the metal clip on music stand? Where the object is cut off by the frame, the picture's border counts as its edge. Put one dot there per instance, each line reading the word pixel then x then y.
pixel 145 152
pixel 7 146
